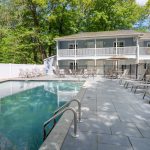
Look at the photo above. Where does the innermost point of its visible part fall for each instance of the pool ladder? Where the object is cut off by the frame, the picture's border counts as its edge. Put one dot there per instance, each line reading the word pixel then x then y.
pixel 59 112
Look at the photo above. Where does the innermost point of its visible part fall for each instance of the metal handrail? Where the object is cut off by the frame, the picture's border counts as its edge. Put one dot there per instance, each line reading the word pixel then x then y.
pixel 58 114
pixel 67 104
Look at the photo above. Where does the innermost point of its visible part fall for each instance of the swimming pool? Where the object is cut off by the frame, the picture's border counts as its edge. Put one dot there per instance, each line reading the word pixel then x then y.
pixel 25 106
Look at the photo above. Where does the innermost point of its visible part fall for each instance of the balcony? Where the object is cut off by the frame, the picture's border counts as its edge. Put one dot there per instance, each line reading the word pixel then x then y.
pixel 144 53
pixel 98 53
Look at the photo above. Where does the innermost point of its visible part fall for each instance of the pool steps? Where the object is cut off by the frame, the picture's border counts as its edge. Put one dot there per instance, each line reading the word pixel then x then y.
pixel 59 112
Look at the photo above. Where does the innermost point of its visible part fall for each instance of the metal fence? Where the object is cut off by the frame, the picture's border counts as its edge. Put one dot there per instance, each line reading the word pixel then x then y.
pixel 134 69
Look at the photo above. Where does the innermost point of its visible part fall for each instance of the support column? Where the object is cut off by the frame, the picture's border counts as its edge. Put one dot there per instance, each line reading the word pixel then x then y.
pixel 116 46
pixel 95 64
pixel 75 55
pixel 137 51
pixel 116 65
pixel 137 56
pixel 136 71
pixel 116 62
pixel 57 53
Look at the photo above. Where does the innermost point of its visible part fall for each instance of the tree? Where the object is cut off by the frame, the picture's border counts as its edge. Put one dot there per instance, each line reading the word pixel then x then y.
pixel 113 14
pixel 28 27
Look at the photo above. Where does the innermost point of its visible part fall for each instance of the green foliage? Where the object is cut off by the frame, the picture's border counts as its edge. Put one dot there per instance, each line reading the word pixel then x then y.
pixel 28 27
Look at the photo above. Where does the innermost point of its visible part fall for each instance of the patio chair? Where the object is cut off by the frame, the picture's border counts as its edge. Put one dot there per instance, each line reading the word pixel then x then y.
pixel 70 72
pixel 56 72
pixel 29 73
pixel 112 74
pixel 22 73
pixel 123 75
pixel 94 72
pixel 131 82
pixel 147 93
pixel 143 84
pixel 85 73
pixel 34 72
pixel 61 73
pixel 79 73
pixel 139 85
pixel 43 72
pixel 98 71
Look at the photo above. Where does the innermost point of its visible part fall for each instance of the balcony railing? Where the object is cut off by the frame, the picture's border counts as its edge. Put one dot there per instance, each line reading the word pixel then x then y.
pixel 108 51
pixel 144 51
pixel 66 53
pixel 105 51
pixel 126 50
pixel 85 52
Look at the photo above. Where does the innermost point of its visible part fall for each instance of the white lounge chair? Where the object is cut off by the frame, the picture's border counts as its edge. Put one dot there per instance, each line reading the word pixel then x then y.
pixel 85 73
pixel 70 72
pixel 147 93
pixel 131 82
pixel 22 73
pixel 123 76
pixel 62 73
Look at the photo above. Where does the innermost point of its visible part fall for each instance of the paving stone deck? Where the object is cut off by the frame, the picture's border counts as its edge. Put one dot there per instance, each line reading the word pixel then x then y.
pixel 113 117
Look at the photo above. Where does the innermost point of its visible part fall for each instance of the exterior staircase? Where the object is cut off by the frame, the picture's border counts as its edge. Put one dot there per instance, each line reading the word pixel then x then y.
pixel 50 64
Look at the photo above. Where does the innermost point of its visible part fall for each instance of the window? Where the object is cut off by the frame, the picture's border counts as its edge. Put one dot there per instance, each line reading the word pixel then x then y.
pixel 100 44
pixel 90 44
pixel 119 44
pixel 72 46
pixel 148 44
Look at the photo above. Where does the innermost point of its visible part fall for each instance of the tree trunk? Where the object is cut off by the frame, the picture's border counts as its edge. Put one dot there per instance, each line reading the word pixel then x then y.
pixel 35 55
pixel 33 8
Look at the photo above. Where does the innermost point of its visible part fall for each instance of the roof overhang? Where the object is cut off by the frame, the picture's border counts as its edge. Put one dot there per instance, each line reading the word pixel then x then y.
pixel 96 37
pixel 100 35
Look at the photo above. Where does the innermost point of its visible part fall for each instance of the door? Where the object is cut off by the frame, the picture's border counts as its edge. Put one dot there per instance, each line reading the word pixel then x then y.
pixel 72 66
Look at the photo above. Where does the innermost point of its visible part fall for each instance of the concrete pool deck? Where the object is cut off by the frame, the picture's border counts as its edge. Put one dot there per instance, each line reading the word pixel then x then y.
pixel 114 118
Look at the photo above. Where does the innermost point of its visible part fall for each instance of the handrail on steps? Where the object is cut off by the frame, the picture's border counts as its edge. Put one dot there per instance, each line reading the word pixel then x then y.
pixel 67 104
pixel 64 106
pixel 58 114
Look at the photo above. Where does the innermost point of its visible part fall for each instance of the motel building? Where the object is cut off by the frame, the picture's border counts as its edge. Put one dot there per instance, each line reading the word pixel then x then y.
pixel 102 51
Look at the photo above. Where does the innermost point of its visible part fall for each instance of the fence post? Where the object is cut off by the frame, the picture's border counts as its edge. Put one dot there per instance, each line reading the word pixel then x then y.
pixel 10 70
pixel 136 71
pixel 122 68
pixel 104 70
pixel 130 70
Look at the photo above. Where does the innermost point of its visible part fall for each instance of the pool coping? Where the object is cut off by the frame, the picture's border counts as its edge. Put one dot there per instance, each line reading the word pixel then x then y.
pixel 42 80
pixel 55 139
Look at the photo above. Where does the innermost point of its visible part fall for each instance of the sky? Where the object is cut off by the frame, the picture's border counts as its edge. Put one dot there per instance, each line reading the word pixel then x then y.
pixel 141 2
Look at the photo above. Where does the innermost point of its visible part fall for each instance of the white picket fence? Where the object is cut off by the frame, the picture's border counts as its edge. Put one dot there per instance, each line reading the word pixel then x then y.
pixel 13 70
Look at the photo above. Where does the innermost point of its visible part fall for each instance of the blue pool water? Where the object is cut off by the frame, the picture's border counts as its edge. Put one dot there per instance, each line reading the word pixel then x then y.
pixel 25 106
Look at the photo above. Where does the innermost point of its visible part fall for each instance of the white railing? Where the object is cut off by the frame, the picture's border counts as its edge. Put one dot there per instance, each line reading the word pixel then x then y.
pixel 106 51
pixel 85 52
pixel 126 50
pixel 144 51
pixel 66 52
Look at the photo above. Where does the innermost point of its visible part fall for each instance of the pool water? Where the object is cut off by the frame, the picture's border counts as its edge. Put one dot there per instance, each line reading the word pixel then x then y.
pixel 24 110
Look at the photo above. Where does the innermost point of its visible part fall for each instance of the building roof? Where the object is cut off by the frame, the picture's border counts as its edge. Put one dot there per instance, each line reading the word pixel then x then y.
pixel 88 35
pixel 146 36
